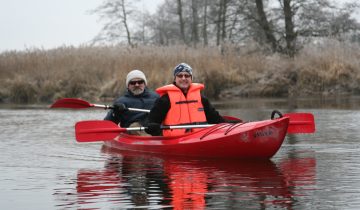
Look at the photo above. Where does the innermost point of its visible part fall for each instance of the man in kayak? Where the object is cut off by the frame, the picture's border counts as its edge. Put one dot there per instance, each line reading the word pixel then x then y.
pixel 181 103
pixel 137 96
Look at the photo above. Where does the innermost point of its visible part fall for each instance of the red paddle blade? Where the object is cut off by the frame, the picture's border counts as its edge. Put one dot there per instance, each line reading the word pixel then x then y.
pixel 96 130
pixel 301 123
pixel 73 103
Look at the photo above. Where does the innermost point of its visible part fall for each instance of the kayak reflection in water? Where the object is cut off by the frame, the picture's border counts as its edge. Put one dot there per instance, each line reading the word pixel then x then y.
pixel 188 187
pixel 135 180
pixel 126 181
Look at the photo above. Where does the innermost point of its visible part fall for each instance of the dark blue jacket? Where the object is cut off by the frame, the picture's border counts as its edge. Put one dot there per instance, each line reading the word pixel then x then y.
pixel 143 101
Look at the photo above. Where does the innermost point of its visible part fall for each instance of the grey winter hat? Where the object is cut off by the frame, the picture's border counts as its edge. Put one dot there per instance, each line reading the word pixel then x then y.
pixel 135 74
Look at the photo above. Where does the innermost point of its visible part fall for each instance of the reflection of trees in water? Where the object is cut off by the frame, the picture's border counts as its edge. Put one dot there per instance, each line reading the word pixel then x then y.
pixel 135 180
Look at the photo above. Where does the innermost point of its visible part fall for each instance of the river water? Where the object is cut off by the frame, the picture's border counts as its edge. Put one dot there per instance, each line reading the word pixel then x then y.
pixel 43 167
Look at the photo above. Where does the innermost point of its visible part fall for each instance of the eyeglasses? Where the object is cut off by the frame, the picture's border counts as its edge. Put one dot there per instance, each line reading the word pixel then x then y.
pixel 140 82
pixel 183 75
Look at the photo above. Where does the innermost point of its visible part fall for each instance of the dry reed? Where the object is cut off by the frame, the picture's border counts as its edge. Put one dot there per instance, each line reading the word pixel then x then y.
pixel 98 73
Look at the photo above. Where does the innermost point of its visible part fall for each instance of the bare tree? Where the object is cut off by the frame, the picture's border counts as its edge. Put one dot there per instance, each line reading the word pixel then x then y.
pixel 204 29
pixel 195 22
pixel 295 19
pixel 283 25
pixel 265 25
pixel 165 24
pixel 220 21
pixel 290 34
pixel 181 20
pixel 116 14
pixel 224 19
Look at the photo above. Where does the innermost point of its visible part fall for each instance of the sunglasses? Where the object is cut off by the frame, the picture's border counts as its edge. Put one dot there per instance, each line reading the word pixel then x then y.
pixel 183 75
pixel 140 82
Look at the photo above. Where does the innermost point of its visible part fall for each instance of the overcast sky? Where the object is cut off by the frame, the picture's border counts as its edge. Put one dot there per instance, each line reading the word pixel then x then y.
pixel 26 24
pixel 50 23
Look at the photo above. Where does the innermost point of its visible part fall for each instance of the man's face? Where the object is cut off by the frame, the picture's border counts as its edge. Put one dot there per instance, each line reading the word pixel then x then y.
pixel 183 80
pixel 136 86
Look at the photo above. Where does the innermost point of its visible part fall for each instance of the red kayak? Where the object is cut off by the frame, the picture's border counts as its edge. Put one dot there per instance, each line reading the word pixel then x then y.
pixel 260 139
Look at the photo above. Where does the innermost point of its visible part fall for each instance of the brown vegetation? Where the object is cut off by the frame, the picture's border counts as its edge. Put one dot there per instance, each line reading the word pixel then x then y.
pixel 98 73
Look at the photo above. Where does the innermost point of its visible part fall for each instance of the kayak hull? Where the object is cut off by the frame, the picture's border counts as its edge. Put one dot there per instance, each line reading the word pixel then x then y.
pixel 260 139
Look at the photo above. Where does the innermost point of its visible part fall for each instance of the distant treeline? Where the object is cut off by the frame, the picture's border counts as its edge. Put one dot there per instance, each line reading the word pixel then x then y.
pixel 282 26
pixel 98 73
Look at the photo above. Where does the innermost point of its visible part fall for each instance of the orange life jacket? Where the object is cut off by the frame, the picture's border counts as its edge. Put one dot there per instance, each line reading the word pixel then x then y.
pixel 183 109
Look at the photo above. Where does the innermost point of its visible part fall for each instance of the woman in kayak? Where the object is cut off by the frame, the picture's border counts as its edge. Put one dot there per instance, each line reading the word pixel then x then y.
pixel 181 103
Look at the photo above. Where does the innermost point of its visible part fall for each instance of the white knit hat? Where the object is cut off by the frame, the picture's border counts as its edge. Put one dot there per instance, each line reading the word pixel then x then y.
pixel 135 74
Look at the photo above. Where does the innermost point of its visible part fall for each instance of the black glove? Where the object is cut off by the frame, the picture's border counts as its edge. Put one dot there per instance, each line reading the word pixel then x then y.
pixel 153 129
pixel 119 108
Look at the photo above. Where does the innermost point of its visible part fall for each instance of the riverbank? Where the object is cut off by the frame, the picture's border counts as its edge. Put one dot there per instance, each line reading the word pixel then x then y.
pixel 98 73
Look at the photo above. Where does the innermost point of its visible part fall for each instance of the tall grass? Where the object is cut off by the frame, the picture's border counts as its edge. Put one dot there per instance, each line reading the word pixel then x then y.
pixel 98 73
pixel 329 68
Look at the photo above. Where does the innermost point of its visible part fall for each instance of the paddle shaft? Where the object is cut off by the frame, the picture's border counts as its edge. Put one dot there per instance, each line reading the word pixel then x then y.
pixel 103 130
pixel 119 129
pixel 75 103
pixel 172 127
pixel 111 107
